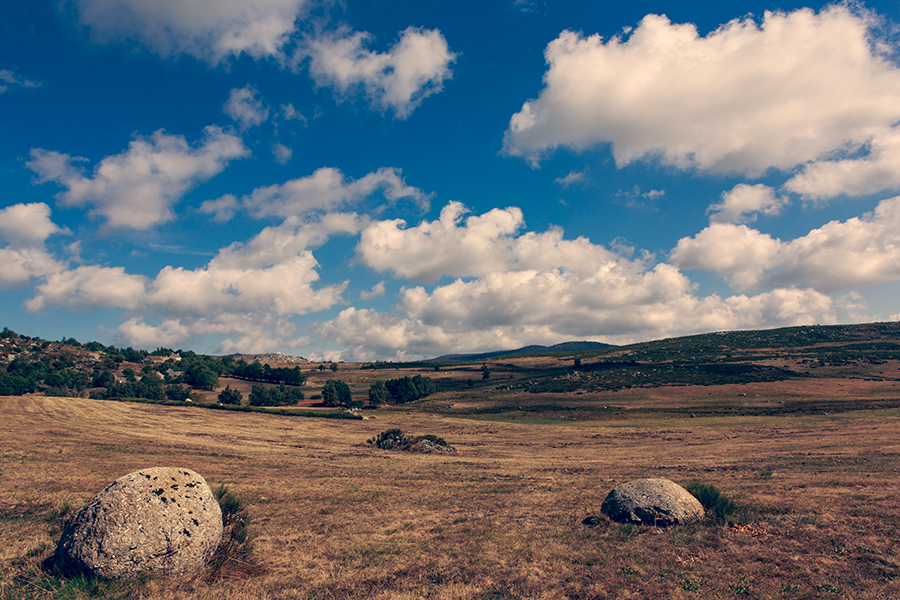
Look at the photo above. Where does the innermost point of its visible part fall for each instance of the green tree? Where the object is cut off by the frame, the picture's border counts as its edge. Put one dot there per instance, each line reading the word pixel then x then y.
pixel 336 393
pixel 104 379
pixel 260 395
pixel 293 376
pixel 333 367
pixel 13 385
pixel 485 372
pixel 378 394
pixel 201 376
pixel 230 396
pixel 409 389
pixel 177 392
pixel 151 387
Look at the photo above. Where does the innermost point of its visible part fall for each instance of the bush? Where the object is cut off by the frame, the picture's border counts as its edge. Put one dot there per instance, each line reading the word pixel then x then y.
pixel 235 553
pixel 395 439
pixel 718 506
pixel 230 396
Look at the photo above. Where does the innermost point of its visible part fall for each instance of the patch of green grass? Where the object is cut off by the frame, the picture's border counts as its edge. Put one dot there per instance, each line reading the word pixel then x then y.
pixel 82 587
pixel 719 507
pixel 741 588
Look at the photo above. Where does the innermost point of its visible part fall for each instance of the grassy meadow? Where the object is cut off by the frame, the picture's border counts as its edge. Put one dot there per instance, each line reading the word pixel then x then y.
pixel 816 492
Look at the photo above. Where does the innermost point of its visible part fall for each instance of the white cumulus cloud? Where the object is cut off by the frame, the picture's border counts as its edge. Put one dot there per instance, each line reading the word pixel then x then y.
pixel 515 309
pixel 399 79
pixel 877 171
pixel 246 108
pixel 572 178
pixel 90 286
pixel 11 78
pixel 26 224
pixel 282 153
pixel 23 230
pixel 512 288
pixel 249 291
pixel 477 245
pixel 743 203
pixel 289 113
pixel 325 190
pixel 840 255
pixel 138 188
pixel 377 291
pixel 211 30
pixel 744 98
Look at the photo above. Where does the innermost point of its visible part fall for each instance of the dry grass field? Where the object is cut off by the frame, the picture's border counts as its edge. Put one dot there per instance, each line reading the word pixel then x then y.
pixel 817 495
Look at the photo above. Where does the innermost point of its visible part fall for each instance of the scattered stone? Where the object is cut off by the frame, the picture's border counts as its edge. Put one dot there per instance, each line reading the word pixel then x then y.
pixel 657 502
pixel 161 520
pixel 427 446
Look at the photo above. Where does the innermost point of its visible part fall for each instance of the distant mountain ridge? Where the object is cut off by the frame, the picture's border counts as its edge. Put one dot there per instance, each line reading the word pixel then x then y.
pixel 533 349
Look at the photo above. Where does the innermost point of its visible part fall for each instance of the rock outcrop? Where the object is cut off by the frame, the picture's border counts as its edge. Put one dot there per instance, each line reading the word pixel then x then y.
pixel 657 502
pixel 161 520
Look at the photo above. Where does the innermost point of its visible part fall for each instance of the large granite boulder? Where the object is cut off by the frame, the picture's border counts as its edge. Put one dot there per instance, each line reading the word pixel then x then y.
pixel 652 502
pixel 161 520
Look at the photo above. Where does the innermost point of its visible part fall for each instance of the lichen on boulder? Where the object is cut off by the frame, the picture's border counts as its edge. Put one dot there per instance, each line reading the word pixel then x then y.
pixel 161 520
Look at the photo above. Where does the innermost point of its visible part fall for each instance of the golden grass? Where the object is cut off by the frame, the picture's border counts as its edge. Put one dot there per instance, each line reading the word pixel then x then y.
pixel 336 518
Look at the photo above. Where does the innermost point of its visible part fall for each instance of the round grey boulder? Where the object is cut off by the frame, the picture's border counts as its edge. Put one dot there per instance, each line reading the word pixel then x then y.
pixel 161 520
pixel 657 502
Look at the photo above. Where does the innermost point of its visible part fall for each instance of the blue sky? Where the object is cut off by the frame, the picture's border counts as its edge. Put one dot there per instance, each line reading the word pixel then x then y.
pixel 396 180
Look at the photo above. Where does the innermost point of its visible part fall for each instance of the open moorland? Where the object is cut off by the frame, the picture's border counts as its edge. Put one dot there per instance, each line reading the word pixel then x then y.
pixel 799 427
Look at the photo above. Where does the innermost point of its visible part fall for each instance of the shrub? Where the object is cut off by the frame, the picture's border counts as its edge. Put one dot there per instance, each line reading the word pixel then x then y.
pixel 395 439
pixel 236 550
pixel 230 396
pixel 718 506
